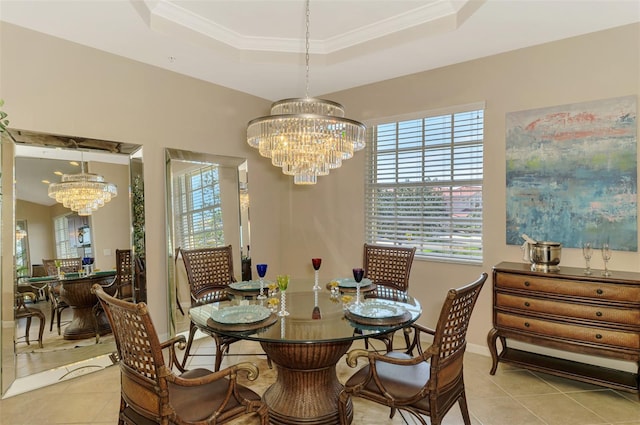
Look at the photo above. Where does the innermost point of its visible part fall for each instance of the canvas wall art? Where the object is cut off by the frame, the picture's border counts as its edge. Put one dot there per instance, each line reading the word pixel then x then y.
pixel 572 174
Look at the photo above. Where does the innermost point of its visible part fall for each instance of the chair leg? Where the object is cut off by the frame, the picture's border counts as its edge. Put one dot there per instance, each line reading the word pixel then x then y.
pixel 26 336
pixel 192 332
pixel 53 315
pixel 462 401
pixel 41 330
pixel 58 317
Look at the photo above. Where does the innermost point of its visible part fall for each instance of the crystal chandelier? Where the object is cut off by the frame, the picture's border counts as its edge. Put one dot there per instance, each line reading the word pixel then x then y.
pixel 306 137
pixel 82 193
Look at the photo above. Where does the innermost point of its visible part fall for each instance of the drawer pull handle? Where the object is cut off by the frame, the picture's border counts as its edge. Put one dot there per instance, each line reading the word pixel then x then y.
pixel 526 324
pixel 599 313
pixel 599 292
pixel 526 283
pixel 598 336
pixel 526 304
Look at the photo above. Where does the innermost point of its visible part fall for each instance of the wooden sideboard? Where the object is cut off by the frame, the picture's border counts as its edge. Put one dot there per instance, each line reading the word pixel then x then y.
pixel 569 311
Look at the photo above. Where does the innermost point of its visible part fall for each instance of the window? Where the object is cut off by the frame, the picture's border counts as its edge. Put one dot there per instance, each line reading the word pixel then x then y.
pixel 197 208
pixel 424 183
pixel 62 239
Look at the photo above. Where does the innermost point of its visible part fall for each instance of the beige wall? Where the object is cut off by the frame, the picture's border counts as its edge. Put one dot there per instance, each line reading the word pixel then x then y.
pixel 40 230
pixel 111 224
pixel 53 86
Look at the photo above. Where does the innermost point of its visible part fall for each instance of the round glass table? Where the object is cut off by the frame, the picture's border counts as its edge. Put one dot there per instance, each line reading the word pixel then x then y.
pixel 306 345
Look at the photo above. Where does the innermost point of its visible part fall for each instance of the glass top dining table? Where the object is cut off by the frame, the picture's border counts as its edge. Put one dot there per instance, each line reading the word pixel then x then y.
pixel 306 345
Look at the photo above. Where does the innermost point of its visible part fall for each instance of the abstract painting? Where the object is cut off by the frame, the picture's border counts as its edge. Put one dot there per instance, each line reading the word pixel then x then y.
pixel 572 174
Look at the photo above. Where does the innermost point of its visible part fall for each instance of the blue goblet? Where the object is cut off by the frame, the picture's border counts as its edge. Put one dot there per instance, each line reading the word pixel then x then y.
pixel 262 271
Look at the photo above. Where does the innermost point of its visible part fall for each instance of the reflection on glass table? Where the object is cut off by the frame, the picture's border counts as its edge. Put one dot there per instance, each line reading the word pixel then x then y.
pixel 305 348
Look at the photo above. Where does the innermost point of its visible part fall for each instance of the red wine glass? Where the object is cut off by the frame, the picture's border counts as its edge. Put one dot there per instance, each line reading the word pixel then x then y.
pixel 316 266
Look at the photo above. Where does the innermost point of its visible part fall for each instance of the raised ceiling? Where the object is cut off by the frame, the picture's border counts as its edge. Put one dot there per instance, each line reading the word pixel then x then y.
pixel 257 46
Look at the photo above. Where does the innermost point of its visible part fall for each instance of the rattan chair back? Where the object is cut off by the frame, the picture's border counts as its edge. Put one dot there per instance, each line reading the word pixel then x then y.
pixel 209 272
pixel 67 265
pixel 124 274
pixel 388 266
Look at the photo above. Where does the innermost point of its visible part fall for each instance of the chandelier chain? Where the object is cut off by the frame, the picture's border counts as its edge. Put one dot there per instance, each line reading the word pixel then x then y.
pixel 307 50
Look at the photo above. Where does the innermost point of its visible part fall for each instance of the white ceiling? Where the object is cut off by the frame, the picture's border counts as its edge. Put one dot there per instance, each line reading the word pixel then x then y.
pixel 257 46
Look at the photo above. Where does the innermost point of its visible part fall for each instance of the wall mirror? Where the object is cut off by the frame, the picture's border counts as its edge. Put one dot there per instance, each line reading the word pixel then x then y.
pixel 207 206
pixel 29 162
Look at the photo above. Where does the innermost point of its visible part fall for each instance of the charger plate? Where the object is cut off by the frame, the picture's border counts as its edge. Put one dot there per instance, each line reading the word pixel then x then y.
pixel 350 282
pixel 240 314
pixel 242 327
pixel 247 285
pixel 378 313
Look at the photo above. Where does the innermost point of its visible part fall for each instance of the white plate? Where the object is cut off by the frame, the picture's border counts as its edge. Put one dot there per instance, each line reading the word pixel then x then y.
pixel 241 314
pixel 377 309
pixel 350 282
pixel 247 285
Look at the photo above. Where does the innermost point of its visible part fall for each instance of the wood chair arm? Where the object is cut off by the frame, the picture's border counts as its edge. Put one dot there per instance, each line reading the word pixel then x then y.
pixel 373 357
pixel 230 372
pixel 178 341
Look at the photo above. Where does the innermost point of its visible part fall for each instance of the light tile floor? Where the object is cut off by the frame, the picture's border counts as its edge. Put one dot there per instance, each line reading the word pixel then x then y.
pixel 511 397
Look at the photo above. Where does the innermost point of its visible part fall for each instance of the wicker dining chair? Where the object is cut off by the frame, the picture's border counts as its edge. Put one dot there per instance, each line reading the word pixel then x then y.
pixel 389 268
pixel 56 304
pixel 429 383
pixel 124 274
pixel 209 273
pixel 151 393
pixel 21 311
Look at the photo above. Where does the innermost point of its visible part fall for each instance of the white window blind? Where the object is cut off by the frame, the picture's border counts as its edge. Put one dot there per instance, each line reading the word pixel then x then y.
pixel 62 236
pixel 197 208
pixel 424 183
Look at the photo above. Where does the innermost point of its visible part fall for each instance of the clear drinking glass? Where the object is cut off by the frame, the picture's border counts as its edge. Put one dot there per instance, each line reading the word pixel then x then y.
pixel 587 252
pixel 262 272
pixel 606 256
pixel 316 266
pixel 283 283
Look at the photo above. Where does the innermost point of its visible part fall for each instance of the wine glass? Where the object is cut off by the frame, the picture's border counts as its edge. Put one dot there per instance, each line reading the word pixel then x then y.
pixel 358 274
pixel 283 283
pixel 262 271
pixel 316 266
pixel 606 256
pixel 587 251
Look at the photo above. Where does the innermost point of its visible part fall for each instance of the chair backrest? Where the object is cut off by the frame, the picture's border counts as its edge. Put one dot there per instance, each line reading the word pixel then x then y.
pixel 124 274
pixel 67 265
pixel 142 365
pixel 388 266
pixel 450 338
pixel 209 272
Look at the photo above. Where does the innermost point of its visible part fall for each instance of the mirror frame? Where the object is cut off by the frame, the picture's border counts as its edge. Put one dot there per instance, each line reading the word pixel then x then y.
pixel 243 237
pixel 8 357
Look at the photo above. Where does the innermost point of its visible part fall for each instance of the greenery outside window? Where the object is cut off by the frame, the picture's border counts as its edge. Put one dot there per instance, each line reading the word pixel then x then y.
pixel 424 183
pixel 22 249
pixel 198 208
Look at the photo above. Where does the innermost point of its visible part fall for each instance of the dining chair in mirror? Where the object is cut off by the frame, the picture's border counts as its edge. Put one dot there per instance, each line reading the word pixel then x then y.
pixel 429 383
pixel 124 274
pixel 57 305
pixel 389 268
pixel 209 273
pixel 22 311
pixel 151 392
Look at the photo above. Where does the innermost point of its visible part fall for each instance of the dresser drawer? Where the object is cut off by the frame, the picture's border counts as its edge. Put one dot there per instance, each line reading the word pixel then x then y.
pixel 629 340
pixel 580 311
pixel 595 290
